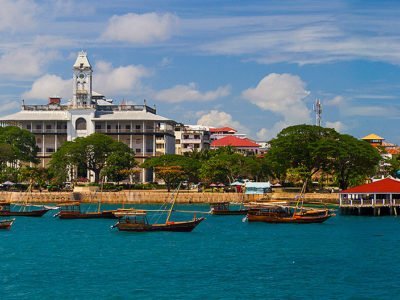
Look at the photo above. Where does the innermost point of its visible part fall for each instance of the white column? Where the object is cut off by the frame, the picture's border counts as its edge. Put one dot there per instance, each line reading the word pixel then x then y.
pixel 43 149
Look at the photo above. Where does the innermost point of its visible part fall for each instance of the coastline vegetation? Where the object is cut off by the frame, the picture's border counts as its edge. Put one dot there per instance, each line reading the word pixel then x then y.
pixel 298 153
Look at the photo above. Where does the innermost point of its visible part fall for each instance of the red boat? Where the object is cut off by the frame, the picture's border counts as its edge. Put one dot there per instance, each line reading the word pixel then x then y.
pixel 6 224
pixel 5 210
pixel 72 210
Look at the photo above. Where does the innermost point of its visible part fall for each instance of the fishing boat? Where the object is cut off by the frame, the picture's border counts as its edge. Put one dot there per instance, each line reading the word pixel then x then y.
pixel 72 210
pixel 137 221
pixel 25 210
pixel 6 224
pixel 276 213
pixel 287 214
pixel 223 209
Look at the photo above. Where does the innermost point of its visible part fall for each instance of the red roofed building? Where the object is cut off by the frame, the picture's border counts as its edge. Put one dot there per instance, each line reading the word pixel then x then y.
pixel 376 198
pixel 243 145
pixel 221 132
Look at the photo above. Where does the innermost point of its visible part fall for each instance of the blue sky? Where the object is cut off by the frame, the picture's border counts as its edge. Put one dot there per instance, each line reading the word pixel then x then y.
pixel 257 66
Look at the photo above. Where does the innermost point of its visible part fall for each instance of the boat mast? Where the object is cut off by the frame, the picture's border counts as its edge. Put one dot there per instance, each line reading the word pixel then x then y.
pixel 173 203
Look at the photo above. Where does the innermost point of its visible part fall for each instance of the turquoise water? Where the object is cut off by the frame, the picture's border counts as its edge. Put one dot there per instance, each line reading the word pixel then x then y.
pixel 223 258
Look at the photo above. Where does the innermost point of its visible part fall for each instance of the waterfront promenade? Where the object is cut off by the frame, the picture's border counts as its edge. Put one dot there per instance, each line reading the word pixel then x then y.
pixel 157 196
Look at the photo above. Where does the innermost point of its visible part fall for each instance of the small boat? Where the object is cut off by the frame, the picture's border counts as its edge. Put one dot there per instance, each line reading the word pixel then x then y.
pixel 275 213
pixel 223 209
pixel 5 210
pixel 6 224
pixel 287 214
pixel 136 220
pixel 72 210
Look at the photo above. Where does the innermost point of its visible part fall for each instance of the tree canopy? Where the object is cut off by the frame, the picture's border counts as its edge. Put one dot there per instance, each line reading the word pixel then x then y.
pixel 94 152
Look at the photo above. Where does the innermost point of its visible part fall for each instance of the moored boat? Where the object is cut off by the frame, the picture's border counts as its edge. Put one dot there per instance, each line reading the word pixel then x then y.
pixel 6 224
pixel 72 210
pixel 5 210
pixel 137 221
pixel 223 209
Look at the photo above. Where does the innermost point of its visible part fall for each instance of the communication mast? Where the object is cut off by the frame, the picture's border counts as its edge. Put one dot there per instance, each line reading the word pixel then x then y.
pixel 317 107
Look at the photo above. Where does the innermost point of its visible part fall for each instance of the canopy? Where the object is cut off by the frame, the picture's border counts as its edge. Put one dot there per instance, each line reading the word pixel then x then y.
pixel 257 188
pixel 237 183
pixel 8 183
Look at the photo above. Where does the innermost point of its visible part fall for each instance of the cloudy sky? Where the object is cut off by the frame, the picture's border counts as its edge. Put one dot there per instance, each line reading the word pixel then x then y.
pixel 257 66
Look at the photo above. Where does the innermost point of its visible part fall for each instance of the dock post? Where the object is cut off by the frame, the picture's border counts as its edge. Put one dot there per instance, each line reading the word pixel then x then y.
pixel 395 211
pixel 379 211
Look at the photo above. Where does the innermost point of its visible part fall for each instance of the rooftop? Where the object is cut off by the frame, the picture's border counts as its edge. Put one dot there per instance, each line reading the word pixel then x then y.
pixel 372 136
pixel 234 142
pixel 383 186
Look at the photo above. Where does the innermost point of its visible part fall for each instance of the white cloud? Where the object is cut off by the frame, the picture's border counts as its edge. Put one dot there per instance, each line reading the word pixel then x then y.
pixel 216 118
pixel 17 15
pixel 118 81
pixel 9 106
pixel 190 92
pixel 141 29
pixel 372 111
pixel 336 101
pixel 282 94
pixel 25 62
pixel 338 125
pixel 262 134
pixel 49 85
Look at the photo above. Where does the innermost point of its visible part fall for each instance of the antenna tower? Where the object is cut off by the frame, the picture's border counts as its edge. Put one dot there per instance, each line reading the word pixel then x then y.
pixel 317 107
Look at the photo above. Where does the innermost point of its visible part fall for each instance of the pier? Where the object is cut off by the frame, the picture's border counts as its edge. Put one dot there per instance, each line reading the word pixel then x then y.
pixel 378 198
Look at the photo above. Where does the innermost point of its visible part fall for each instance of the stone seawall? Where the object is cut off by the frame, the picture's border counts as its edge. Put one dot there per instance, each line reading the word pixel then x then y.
pixel 157 197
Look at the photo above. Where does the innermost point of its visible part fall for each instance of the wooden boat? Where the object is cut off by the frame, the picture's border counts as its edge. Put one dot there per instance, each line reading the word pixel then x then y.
pixel 281 214
pixel 288 214
pixel 72 210
pixel 136 220
pixel 6 224
pixel 5 210
pixel 223 209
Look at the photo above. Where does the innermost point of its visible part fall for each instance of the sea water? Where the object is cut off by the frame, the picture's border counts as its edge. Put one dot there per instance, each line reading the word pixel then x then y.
pixel 223 258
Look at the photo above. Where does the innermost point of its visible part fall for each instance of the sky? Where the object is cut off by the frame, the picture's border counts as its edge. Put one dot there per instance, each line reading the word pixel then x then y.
pixel 256 66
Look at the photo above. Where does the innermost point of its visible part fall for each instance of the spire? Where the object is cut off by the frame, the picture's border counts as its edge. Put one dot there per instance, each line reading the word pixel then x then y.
pixel 82 61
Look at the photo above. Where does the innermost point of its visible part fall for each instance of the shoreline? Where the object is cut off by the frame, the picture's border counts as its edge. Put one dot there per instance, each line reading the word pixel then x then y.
pixel 157 197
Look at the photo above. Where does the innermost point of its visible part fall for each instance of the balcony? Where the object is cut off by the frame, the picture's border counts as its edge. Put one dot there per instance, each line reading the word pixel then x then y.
pixel 133 131
pixel 49 131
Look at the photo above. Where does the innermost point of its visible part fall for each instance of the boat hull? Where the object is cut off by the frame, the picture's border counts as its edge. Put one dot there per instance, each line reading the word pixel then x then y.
pixel 183 226
pixel 228 212
pixel 297 219
pixel 109 214
pixel 33 213
pixel 6 224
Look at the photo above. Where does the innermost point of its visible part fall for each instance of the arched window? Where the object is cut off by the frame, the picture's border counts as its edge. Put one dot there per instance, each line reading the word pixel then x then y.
pixel 80 124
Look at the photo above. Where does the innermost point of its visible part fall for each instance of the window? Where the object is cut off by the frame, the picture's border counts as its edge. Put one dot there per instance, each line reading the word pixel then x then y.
pixel 137 126
pixel 177 141
pixel 38 126
pixel 28 126
pixel 108 127
pixel 80 124
pixel 138 150
pixel 197 137
pixel 98 126
pixel 185 136
pixel 48 126
pixel 160 146
pixel 49 150
pixel 128 127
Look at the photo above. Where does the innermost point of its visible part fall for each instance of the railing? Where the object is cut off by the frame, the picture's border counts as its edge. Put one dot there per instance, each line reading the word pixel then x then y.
pixel 147 130
pixel 191 141
pixel 369 202
pixel 62 131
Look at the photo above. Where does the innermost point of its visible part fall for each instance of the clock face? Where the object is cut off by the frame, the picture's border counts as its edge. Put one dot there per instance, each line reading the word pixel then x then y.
pixel 81 75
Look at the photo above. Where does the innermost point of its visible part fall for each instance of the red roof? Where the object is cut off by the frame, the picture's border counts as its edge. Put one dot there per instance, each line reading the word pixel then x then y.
pixel 234 142
pixel 387 185
pixel 222 129
pixel 393 151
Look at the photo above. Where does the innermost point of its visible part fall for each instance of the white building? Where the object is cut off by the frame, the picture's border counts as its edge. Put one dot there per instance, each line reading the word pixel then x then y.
pixel 190 138
pixel 138 126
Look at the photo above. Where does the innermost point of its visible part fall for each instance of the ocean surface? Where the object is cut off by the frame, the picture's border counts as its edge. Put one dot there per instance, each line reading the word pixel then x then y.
pixel 223 258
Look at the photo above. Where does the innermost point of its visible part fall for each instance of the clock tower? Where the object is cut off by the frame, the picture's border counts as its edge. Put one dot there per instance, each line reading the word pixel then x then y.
pixel 82 81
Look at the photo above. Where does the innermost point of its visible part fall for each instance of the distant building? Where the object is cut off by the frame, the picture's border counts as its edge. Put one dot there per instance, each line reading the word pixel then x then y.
pixel 374 139
pixel 220 132
pixel 190 138
pixel 242 145
pixel 138 126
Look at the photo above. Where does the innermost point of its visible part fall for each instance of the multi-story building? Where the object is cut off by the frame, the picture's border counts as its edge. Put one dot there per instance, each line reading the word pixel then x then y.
pixel 138 126
pixel 221 132
pixel 190 138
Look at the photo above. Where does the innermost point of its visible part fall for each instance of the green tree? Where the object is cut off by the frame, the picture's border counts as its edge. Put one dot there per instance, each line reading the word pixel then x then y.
pixel 22 142
pixel 91 152
pixel 294 148
pixel 118 165
pixel 350 160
